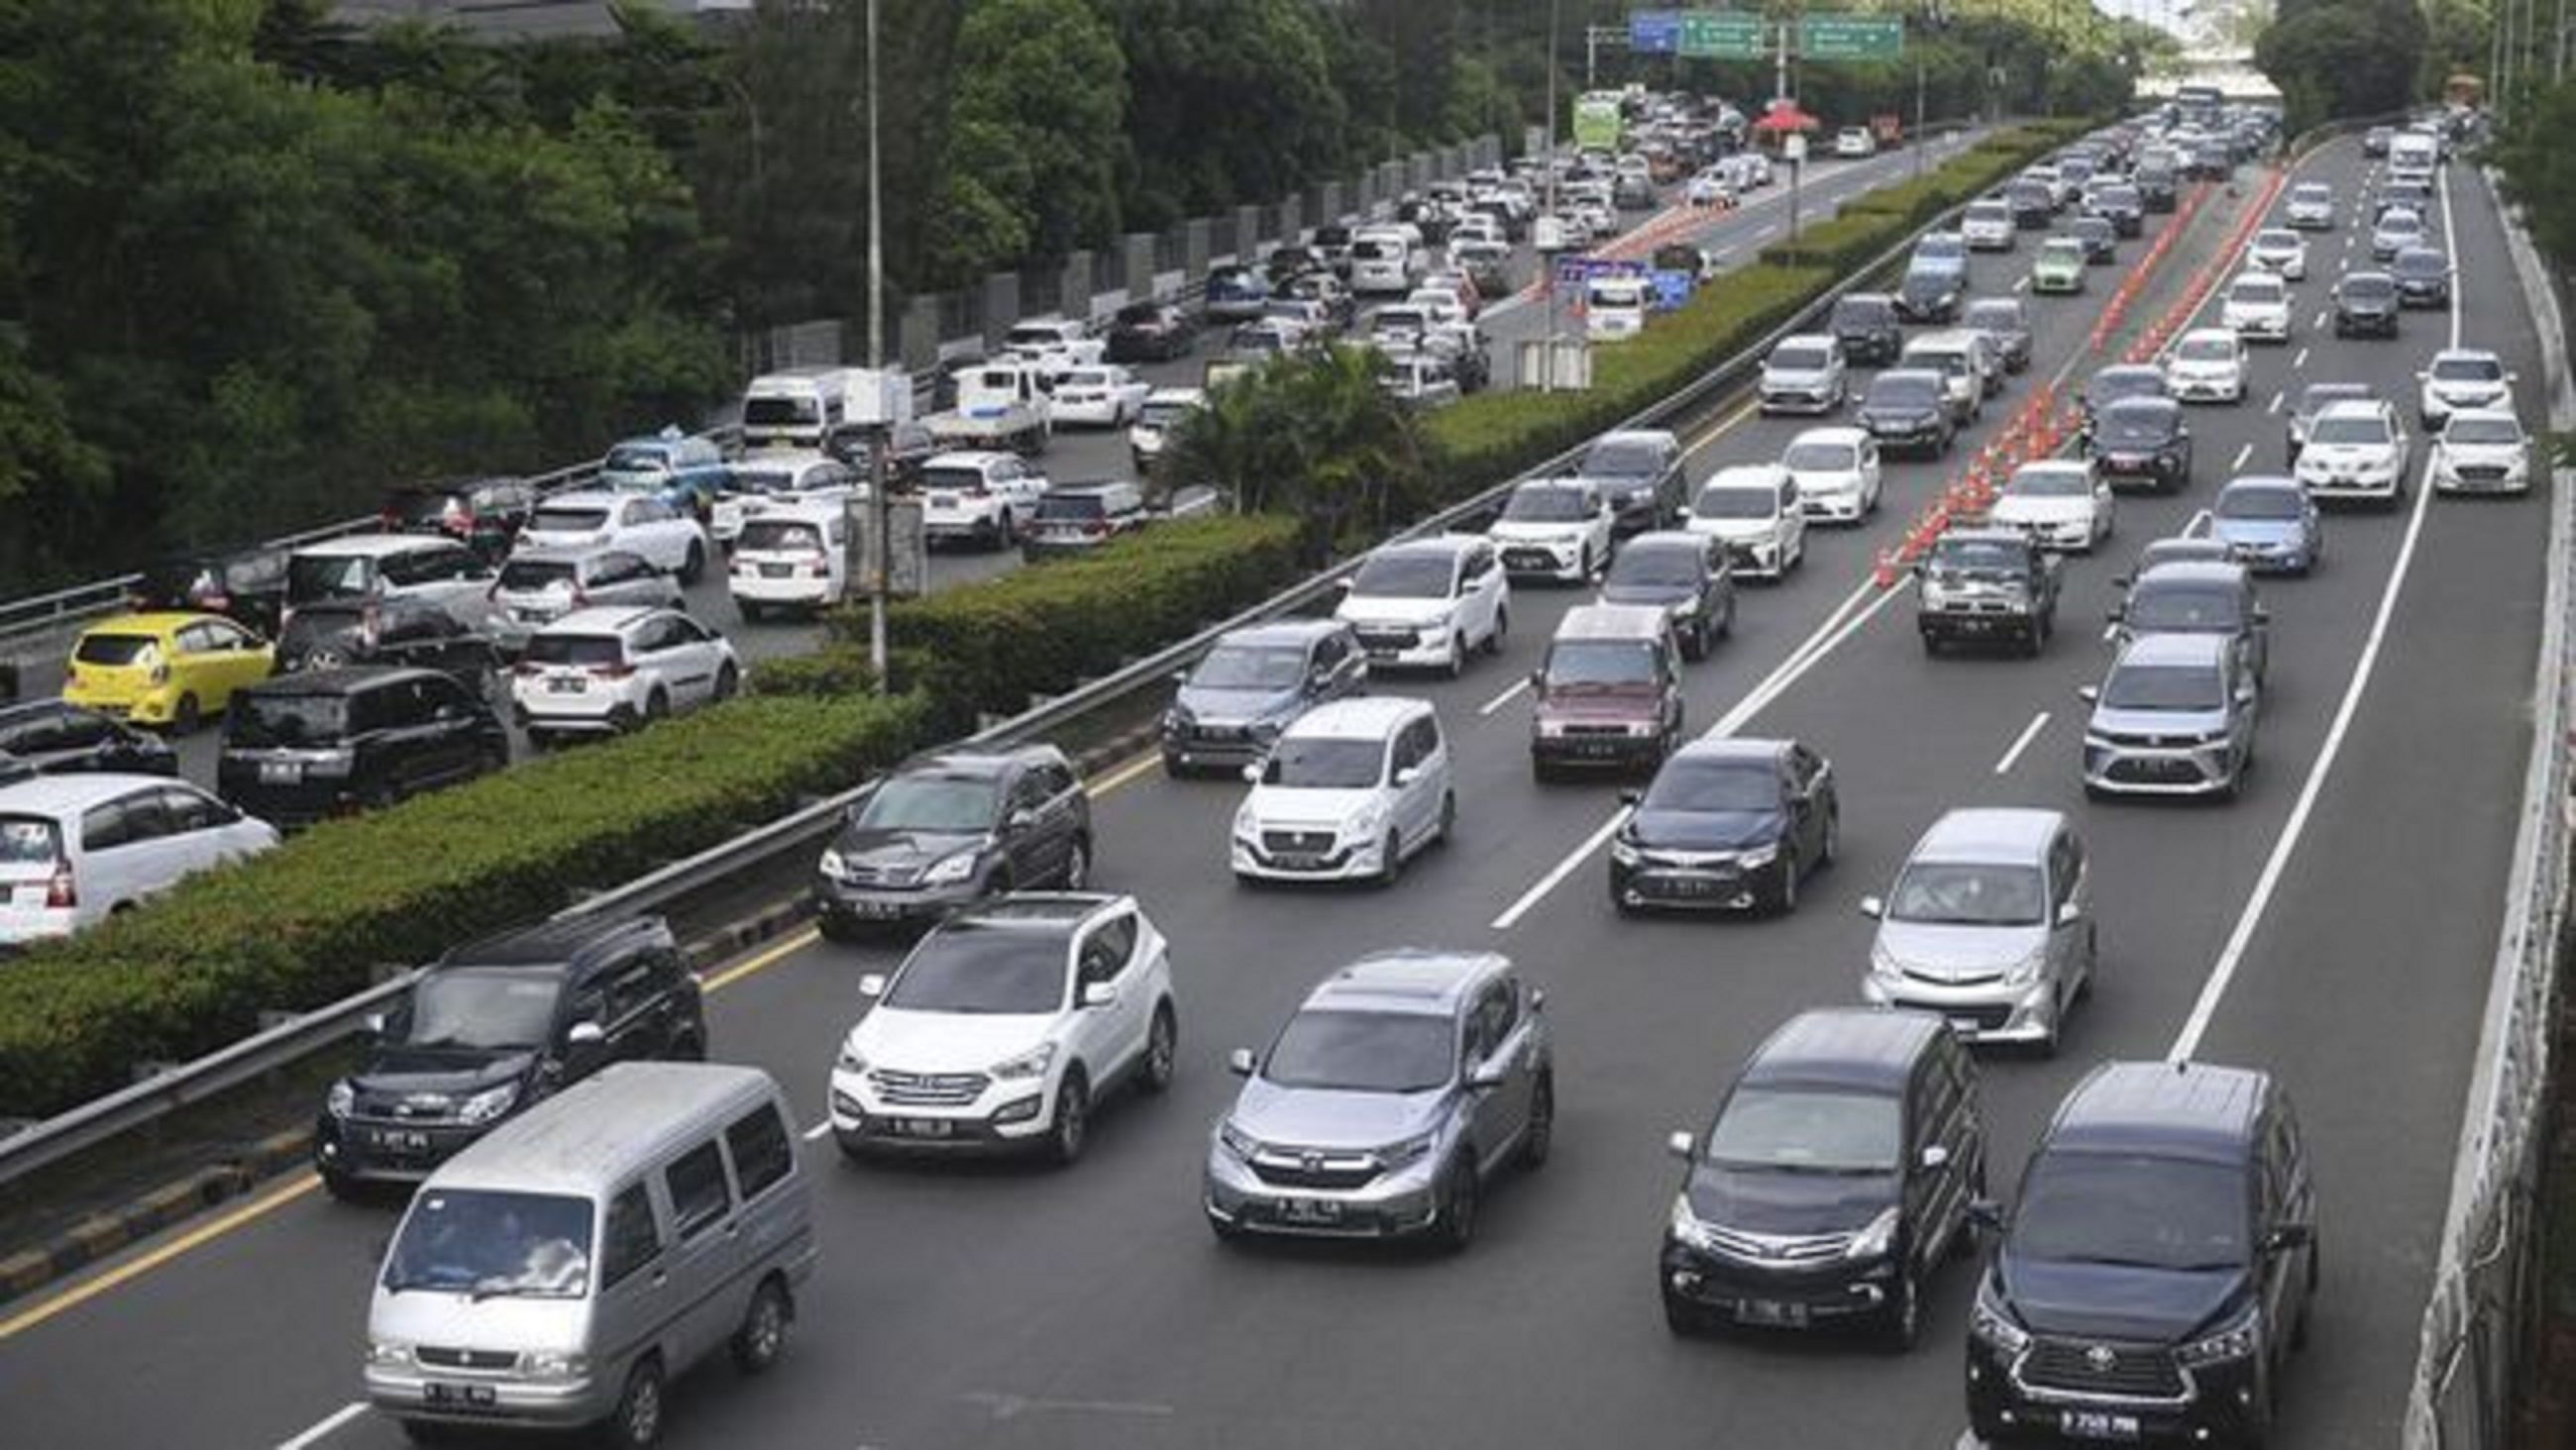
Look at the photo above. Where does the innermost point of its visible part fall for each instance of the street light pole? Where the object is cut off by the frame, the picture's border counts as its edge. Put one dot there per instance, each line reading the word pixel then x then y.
pixel 880 508
pixel 1547 260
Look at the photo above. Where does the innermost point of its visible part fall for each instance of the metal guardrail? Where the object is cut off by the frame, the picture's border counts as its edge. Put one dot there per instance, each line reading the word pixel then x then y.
pixel 806 829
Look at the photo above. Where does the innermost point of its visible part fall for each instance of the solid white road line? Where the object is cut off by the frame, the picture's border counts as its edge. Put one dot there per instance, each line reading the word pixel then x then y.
pixel 2450 229
pixel 2021 743
pixel 323 1431
pixel 1505 698
pixel 2242 454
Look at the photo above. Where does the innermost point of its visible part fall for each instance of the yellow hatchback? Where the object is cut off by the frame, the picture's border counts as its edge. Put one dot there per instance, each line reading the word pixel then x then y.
pixel 169 669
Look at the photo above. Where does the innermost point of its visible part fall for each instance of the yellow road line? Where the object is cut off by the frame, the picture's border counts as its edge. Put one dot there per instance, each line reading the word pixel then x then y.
pixel 778 951
pixel 1133 770
pixel 89 1289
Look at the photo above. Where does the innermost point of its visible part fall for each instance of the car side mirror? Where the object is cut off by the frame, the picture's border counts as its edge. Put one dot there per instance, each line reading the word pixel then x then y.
pixel 1872 907
pixel 2261 615
pixel 585 1034
pixel 1492 1073
pixel 1180 677
pixel 2089 694
pixel 2285 1237
pixel 1682 1146
pixel 2069 913
pixel 872 985
pixel 1099 994
pixel 1935 1155
pixel 373 1024
pixel 2244 694
pixel 1239 1062
pixel 1538 679
pixel 1408 775
pixel 1252 773
pixel 1020 820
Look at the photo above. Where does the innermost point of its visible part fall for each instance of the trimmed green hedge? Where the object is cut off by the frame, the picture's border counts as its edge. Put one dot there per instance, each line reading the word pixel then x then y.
pixel 302 925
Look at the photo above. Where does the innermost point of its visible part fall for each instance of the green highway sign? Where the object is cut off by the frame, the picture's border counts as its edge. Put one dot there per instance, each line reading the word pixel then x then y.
pixel 1851 37
pixel 1721 35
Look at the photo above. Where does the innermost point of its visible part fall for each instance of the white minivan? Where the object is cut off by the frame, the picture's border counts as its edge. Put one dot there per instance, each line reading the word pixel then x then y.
pixel 1349 792
pixel 75 848
pixel 792 557
pixel 1615 307
pixel 565 1270
pixel 1385 261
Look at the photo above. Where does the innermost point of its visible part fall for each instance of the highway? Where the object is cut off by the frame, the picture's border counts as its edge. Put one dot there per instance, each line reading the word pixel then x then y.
pixel 2333 926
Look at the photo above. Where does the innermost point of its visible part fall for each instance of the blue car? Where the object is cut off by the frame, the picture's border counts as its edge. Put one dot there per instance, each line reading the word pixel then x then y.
pixel 683 471
pixel 2269 525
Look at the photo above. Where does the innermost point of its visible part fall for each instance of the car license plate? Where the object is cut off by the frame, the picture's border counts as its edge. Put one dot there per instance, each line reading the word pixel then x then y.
pixel 401 1140
pixel 2096 1425
pixel 471 1396
pixel 1382 652
pixel 872 908
pixel 943 500
pixel 1310 1210
pixel 1966 1026
pixel 280 772
pixel 776 571
pixel 924 1127
pixel 566 685
pixel 1773 1312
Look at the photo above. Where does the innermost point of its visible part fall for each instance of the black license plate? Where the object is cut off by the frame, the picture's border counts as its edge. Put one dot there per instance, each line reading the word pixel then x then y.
pixel 1690 886
pixel 2096 1425
pixel 923 1127
pixel 400 1140
pixel 472 1397
pixel 1775 1313
pixel 875 909
pixel 1309 1211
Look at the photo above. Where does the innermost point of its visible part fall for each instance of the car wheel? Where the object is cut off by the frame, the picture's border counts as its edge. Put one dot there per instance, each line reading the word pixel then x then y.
pixel 187 717
pixel 1784 897
pixel 694 566
pixel 1457 655
pixel 1448 816
pixel 1391 859
pixel 1502 627
pixel 341 1186
pixel 656 705
pixel 1077 865
pixel 1458 1208
pixel 728 680
pixel 1832 849
pixel 763 1333
pixel 1071 1131
pixel 1903 1327
pixel 1540 1135
pixel 1685 1321
pixel 1162 1050
pixel 637 1420
pixel 1931 645
pixel 1583 566
pixel 429 1432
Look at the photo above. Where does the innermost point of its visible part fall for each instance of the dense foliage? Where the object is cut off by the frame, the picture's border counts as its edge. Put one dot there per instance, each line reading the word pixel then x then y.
pixel 2339 58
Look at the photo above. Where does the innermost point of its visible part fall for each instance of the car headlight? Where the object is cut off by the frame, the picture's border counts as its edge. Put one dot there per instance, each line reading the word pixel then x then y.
pixel 850 1061
pixel 1874 1241
pixel 1624 851
pixel 1032 1063
pixel 2022 973
pixel 1365 825
pixel 1179 717
pixel 555 1364
pixel 341 1100
pixel 1686 1226
pixel 1988 1322
pixel 1758 857
pixel 1884 963
pixel 488 1104
pixel 1238 1142
pixel 388 1353
pixel 832 865
pixel 950 869
pixel 1410 1150
pixel 2240 1340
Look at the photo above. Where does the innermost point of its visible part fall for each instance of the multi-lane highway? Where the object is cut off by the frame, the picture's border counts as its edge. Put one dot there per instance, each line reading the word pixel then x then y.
pixel 2332 926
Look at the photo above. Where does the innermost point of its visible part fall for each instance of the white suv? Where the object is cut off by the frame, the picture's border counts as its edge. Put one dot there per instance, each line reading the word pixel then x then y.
pixel 1555 528
pixel 638 524
pixel 1754 510
pixel 2257 306
pixel 2207 366
pixel 1426 603
pixel 978 496
pixel 2462 377
pixel 597 671
pixel 767 480
pixel 1004 1027
pixel 2355 450
pixel 1804 374
pixel 538 587
pixel 1351 791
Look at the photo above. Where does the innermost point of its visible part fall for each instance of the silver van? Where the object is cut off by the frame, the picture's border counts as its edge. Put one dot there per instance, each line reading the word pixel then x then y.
pixel 564 1270
pixel 1990 925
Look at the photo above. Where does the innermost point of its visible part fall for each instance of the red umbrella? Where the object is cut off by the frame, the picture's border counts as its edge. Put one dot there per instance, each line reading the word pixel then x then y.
pixel 1785 116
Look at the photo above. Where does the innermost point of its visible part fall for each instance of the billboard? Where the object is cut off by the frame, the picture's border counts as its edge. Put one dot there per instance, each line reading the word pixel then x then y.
pixel 1597 122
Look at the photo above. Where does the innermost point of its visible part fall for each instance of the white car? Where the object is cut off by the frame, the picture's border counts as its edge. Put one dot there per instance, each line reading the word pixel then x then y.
pixel 1054 346
pixel 2312 206
pixel 1439 306
pixel 1005 1026
pixel 764 479
pixel 978 497
pixel 1163 409
pixel 2279 251
pixel 792 557
pixel 1427 603
pixel 538 587
pixel 2397 229
pixel 1107 396
pixel 1351 791
pixel 2483 450
pixel 1855 141
pixel 1709 188
pixel 1555 528
pixel 638 524
pixel 2355 449
pixel 2063 504
pixel 1989 225
pixel 1753 509
pixel 61 868
pixel 1806 374
pixel 2207 366
pixel 2257 307
pixel 614 668
pixel 2461 378
pixel 1837 473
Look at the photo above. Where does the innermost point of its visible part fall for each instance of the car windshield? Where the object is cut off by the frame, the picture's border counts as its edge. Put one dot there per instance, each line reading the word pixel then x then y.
pixel 939 803
pixel 1979 556
pixel 2471 428
pixel 486 1009
pixel 2191 608
pixel 1955 894
pixel 581 650
pixel 2368 289
pixel 2311 192
pixel 1990 211
pixel 2401 221
pixel 778 412
pixel 2133 1210
pixel 1720 501
pixel 1404 576
pixel 1654 568
pixel 2136 427
pixel 2362 429
pixel 1851 314
pixel 1163 414
pixel 29 841
pixel 1799 359
pixel 317 625
pixel 2111 385
pixel 2061 249
pixel 2423 264
pixel 487 1244
pixel 1574 663
pixel 1887 391
pixel 781 536
pixel 1250 667
pixel 1546 505
pixel 1822 457
pixel 102 648
pixel 641 457
pixel 1622 460
pixel 1995 316
pixel 2276 241
pixel 2256 289
pixel 2260 503
pixel 1316 762
pixel 2318 395
pixel 568 519
pixel 984 970
pixel 2467 369
pixel 1806 1130
pixel 1364 1052
pixel 260 719
pixel 1713 786
pixel 2206 349
pixel 2047 482
pixel 2163 687
pixel 531 575
pixel 327 576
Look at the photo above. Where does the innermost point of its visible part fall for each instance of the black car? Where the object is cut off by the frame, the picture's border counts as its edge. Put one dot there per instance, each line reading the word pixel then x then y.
pixel 2423 277
pixel 1905 408
pixel 952 829
pixel 2142 440
pixel 483 513
pixel 2123 207
pixel 2366 305
pixel 49 737
pixel 2158 1266
pixel 247 586
pixel 1976 585
pixel 1931 293
pixel 1840 1171
pixel 1231 706
pixel 1151 332
pixel 1640 473
pixel 301 748
pixel 2101 240
pixel 2121 380
pixel 499 1025
pixel 2374 142
pixel 1689 576
pixel 907 447
pixel 2313 400
pixel 1728 824
pixel 2157 189
pixel 1867 326
pixel 2032 203
pixel 2007 321
pixel 2212 161
pixel 330 633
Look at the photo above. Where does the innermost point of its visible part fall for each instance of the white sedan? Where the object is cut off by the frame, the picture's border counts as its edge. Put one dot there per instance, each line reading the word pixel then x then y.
pixel 2064 505
pixel 1837 473
pixel 2277 249
pixel 1108 396
pixel 2483 450
pixel 2257 306
pixel 2207 366
pixel 1709 188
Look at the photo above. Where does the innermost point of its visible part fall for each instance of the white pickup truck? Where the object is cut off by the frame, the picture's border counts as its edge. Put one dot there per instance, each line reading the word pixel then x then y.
pixel 1000 405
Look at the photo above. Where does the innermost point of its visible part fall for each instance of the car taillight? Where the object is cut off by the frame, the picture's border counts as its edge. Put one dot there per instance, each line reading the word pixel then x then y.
pixel 526 671
pixel 60 893
pixel 580 597
pixel 612 672
pixel 1096 528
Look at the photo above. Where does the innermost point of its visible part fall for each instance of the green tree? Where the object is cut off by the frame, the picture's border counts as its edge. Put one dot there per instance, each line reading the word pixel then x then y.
pixel 1263 65
pixel 2343 57
pixel 1036 136
pixel 1313 435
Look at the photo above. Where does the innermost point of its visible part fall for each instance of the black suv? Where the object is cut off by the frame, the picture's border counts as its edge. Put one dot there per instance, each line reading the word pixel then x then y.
pixel 1980 584
pixel 2158 1266
pixel 1151 332
pixel 1728 824
pixel 2423 277
pixel 303 747
pixel 1867 326
pixel 1931 293
pixel 2156 186
pixel 1906 408
pixel 52 738
pixel 485 514
pixel 1689 576
pixel 952 829
pixel 2365 305
pixel 2033 204
pixel 907 447
pixel 1839 1172
pixel 2142 440
pixel 497 1025
pixel 1640 472
pixel 415 632
pixel 247 586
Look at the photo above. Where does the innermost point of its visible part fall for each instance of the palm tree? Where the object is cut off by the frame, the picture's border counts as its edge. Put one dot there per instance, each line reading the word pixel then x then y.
pixel 1312 435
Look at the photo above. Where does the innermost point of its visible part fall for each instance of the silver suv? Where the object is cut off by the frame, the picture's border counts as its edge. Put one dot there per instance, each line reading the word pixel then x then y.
pixel 2175 717
pixel 1406 1081
pixel 1989 925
